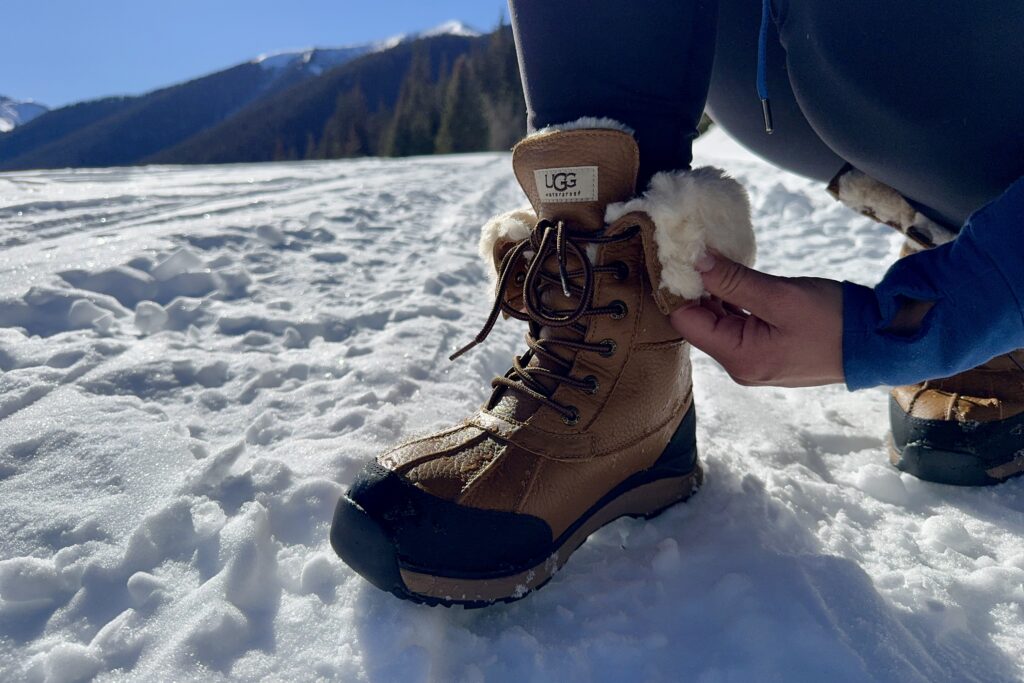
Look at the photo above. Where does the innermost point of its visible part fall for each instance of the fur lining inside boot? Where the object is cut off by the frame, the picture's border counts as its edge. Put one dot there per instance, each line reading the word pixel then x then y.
pixel 693 211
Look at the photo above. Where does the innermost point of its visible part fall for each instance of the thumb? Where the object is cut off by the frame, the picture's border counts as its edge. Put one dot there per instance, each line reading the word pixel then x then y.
pixel 738 285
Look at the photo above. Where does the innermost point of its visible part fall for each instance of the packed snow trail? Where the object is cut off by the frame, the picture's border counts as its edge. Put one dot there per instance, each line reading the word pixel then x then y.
pixel 194 362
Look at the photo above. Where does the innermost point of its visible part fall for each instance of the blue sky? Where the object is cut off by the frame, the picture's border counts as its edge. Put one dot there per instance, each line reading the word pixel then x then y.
pixel 63 51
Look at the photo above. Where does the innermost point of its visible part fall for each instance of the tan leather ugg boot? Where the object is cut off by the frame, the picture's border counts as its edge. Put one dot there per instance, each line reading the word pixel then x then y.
pixel 967 429
pixel 595 420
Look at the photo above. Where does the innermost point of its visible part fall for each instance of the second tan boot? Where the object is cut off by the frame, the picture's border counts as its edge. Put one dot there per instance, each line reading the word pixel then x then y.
pixel 968 429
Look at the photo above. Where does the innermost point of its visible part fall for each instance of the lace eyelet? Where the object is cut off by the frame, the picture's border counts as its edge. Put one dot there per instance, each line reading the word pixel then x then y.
pixel 622 270
pixel 572 419
pixel 520 278
pixel 594 385
pixel 610 346
pixel 622 312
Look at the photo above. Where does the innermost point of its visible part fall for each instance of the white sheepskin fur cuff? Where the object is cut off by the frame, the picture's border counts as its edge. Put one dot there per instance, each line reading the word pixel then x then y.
pixel 505 228
pixel 586 122
pixel 692 211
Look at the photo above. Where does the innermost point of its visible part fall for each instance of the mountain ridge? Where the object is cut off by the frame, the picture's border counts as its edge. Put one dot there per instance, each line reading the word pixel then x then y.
pixel 14 112
pixel 141 129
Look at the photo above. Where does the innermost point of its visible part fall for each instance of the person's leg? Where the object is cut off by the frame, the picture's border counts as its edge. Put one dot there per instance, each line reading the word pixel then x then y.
pixel 645 64
pixel 927 98
pixel 733 103
pixel 648 65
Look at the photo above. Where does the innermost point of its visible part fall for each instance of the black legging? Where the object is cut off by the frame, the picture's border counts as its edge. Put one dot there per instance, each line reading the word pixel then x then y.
pixel 927 97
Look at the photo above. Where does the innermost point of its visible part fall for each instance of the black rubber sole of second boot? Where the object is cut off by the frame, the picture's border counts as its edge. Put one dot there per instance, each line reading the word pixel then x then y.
pixel 366 546
pixel 957 453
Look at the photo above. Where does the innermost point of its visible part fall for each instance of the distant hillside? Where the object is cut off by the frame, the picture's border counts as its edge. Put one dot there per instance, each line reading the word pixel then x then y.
pixel 307 104
pixel 369 106
pixel 317 60
pixel 123 131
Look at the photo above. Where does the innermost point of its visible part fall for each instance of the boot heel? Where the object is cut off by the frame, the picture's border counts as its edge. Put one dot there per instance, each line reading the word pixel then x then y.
pixel 679 457
pixel 660 495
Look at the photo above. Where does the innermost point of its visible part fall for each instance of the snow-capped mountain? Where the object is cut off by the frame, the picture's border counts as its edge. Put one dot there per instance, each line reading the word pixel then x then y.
pixel 13 112
pixel 316 60
pixel 294 88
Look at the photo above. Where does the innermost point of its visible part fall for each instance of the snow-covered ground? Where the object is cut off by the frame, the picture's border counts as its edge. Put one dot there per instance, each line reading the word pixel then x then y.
pixel 195 361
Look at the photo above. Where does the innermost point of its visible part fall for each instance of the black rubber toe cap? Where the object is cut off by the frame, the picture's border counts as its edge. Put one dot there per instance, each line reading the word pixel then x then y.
pixel 384 522
pixel 954 452
pixel 364 547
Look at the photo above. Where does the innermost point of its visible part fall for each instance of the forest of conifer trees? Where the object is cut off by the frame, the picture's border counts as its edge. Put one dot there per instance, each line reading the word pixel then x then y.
pixel 475 104
pixel 433 95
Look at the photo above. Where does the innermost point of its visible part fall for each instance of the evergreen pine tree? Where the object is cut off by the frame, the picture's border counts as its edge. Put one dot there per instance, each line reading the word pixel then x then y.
pixel 463 125
pixel 416 118
pixel 347 131
pixel 279 151
pixel 504 106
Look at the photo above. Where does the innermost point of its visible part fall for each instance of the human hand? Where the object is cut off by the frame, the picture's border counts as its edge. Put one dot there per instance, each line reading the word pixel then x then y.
pixel 766 330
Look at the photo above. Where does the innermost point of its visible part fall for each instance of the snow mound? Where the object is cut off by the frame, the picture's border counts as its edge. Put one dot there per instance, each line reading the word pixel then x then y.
pixel 194 362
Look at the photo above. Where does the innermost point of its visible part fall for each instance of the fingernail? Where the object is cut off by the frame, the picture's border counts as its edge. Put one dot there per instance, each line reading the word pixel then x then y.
pixel 705 263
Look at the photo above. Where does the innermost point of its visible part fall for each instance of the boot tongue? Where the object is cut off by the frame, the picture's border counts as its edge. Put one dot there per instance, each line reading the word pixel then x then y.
pixel 570 176
pixel 573 175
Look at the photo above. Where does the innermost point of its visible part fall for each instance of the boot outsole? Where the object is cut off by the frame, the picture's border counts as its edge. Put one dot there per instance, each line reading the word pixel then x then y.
pixel 363 544
pixel 368 546
pixel 954 468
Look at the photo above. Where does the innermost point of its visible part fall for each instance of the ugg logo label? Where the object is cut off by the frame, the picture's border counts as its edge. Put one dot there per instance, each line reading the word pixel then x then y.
pixel 562 185
pixel 560 181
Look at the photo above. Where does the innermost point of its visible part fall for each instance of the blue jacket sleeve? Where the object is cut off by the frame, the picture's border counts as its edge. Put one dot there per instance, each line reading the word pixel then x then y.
pixel 977 284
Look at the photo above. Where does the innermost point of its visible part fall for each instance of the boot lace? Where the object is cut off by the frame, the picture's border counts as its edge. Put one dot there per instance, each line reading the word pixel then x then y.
pixel 553 240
